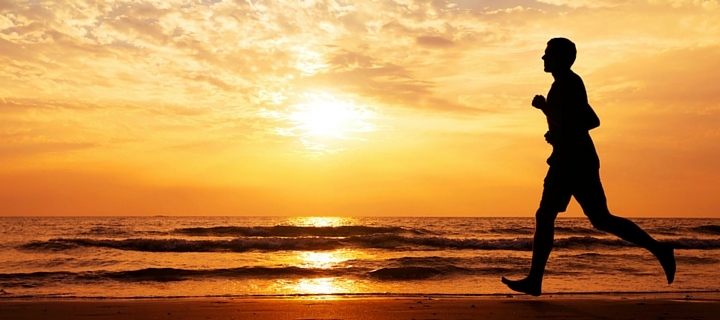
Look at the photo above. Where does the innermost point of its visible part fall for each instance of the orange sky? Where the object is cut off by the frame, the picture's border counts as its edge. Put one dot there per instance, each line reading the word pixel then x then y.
pixel 389 108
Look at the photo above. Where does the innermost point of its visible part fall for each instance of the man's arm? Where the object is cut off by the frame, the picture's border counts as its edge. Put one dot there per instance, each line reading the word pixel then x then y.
pixel 576 114
pixel 539 102
pixel 584 117
pixel 591 119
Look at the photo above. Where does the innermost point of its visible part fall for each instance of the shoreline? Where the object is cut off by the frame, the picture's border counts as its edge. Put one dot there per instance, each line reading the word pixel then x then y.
pixel 606 294
pixel 616 306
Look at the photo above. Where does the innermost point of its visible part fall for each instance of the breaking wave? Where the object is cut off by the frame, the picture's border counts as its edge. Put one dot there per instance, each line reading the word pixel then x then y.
pixel 296 231
pixel 382 241
pixel 171 274
pixel 708 229
pixel 416 273
pixel 558 230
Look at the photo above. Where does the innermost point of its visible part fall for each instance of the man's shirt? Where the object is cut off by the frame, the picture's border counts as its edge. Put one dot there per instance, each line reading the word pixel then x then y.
pixel 570 117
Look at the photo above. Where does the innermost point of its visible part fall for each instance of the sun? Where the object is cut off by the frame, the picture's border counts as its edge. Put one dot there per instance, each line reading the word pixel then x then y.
pixel 325 116
pixel 323 123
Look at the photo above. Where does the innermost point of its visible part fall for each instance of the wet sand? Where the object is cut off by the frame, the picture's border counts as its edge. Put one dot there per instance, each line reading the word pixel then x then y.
pixel 658 306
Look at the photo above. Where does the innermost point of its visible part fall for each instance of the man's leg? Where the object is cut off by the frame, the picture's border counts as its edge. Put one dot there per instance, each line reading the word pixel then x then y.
pixel 555 198
pixel 591 197
pixel 542 246
pixel 542 242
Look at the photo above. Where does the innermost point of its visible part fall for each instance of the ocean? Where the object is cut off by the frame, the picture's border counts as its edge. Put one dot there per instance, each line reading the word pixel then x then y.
pixel 287 256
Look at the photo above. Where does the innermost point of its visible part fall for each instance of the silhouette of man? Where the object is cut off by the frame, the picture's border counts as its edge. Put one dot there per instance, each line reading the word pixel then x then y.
pixel 574 170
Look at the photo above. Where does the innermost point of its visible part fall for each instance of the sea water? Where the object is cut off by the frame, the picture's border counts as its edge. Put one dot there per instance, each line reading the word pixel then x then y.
pixel 257 256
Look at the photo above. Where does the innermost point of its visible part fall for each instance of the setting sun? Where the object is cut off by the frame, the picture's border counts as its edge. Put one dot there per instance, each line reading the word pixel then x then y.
pixel 324 116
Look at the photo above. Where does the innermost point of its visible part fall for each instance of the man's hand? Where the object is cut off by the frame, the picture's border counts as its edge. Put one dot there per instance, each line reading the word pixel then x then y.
pixel 539 102
pixel 549 138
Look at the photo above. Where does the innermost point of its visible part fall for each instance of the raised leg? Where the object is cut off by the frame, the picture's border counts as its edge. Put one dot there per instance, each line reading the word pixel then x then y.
pixel 594 204
pixel 631 232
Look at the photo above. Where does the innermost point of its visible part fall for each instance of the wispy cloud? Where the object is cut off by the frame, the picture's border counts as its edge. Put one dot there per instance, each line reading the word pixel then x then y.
pixel 139 83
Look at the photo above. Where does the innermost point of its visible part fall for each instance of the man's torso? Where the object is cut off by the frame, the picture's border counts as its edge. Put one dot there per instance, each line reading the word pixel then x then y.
pixel 572 147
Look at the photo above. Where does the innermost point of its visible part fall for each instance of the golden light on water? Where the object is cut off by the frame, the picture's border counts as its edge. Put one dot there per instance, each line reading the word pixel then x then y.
pixel 329 285
pixel 321 260
pixel 320 221
pixel 325 259
pixel 321 285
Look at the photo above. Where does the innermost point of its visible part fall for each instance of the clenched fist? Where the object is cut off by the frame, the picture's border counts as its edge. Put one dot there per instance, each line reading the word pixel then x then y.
pixel 539 102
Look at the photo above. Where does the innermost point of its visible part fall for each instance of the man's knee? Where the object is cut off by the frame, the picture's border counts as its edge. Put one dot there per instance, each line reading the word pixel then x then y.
pixel 601 220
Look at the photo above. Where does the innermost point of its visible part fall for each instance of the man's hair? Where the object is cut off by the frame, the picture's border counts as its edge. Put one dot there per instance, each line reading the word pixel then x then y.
pixel 564 49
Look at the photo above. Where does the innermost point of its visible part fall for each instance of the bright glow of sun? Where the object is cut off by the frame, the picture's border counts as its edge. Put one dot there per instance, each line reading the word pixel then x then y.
pixel 323 123
pixel 325 116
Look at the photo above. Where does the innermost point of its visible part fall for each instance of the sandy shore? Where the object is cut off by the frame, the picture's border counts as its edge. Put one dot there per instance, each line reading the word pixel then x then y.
pixel 668 306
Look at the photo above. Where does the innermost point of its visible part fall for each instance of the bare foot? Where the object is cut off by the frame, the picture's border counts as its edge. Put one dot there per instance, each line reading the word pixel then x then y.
pixel 666 256
pixel 526 286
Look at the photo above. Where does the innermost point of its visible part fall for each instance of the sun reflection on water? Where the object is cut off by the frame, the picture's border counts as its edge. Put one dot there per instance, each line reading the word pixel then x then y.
pixel 330 285
pixel 324 259
pixel 322 285
pixel 320 221
pixel 327 260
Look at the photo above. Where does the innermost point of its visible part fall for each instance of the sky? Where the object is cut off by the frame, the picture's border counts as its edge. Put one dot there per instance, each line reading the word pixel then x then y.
pixel 348 108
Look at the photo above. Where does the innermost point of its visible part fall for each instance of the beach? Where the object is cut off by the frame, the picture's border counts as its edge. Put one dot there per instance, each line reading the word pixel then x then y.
pixel 608 306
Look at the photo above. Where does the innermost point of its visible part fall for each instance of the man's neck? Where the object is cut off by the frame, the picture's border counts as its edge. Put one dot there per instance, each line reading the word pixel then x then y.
pixel 561 74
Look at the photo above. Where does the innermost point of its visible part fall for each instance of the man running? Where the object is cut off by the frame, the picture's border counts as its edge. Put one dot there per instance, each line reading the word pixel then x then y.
pixel 574 170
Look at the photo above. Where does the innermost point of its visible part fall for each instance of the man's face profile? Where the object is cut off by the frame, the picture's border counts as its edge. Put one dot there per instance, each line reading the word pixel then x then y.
pixel 550 60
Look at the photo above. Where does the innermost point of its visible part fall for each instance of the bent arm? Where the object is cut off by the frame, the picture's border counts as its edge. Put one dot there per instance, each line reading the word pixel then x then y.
pixel 578 115
pixel 591 119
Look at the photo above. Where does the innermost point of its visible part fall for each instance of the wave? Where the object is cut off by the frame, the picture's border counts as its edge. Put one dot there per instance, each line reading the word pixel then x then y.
pixel 105 231
pixel 389 242
pixel 517 230
pixel 558 230
pixel 349 231
pixel 296 231
pixel 416 273
pixel 707 229
pixel 277 244
pixel 173 275
pixel 711 229
pixel 181 245
pixel 431 260
pixel 577 231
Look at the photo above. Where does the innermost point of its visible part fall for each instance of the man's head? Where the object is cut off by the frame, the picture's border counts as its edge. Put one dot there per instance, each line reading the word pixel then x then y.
pixel 559 55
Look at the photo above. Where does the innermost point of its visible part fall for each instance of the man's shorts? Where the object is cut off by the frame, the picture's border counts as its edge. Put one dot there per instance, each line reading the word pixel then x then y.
pixel 563 183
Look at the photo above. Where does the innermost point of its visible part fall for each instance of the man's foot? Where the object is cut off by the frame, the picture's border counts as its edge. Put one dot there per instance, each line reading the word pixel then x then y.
pixel 666 256
pixel 533 288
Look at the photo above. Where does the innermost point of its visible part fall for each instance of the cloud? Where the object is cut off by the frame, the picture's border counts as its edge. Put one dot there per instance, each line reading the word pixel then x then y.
pixel 145 83
pixel 434 42
pixel 673 79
